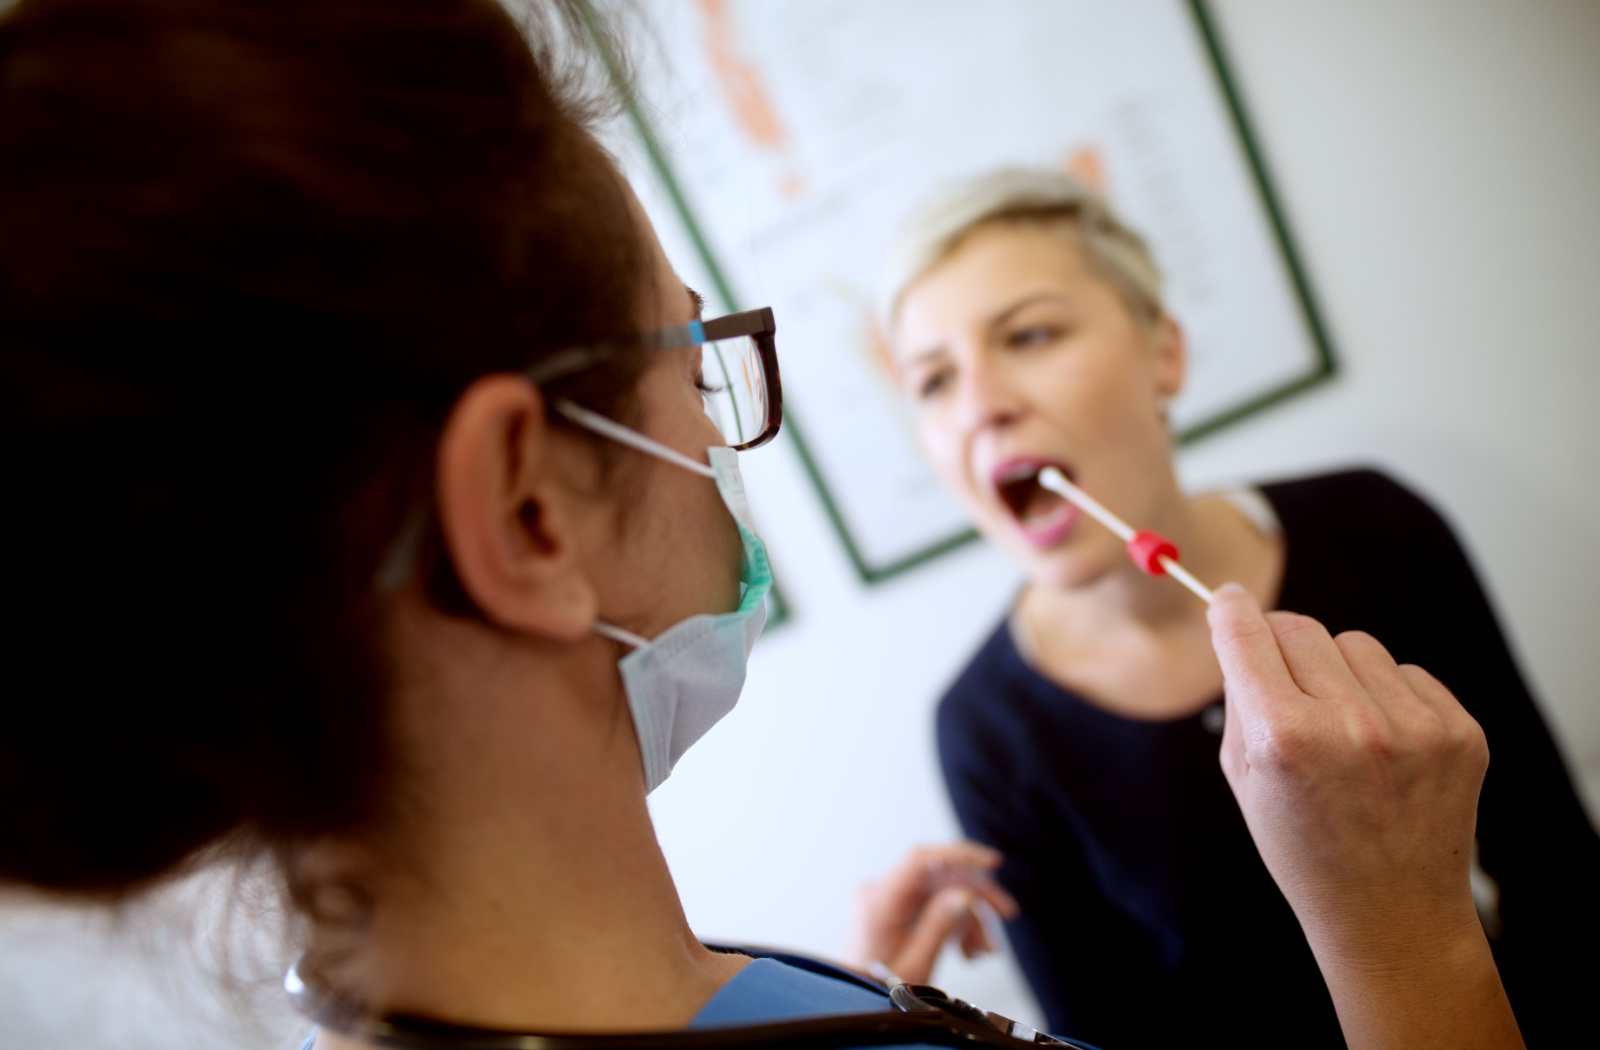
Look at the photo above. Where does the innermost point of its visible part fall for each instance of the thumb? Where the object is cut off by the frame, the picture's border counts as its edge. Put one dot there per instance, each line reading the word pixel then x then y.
pixel 1253 668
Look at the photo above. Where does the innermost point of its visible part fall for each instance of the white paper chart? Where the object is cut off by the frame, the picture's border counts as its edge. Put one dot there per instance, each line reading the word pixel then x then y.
pixel 784 141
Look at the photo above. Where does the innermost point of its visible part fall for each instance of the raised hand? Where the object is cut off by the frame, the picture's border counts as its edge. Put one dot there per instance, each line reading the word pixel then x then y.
pixel 931 897
pixel 1359 781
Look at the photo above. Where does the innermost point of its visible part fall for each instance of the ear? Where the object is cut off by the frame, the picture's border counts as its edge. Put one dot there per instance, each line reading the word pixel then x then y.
pixel 1172 357
pixel 880 351
pixel 507 522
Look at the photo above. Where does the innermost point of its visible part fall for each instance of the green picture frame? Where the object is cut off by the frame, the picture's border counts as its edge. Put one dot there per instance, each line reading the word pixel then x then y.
pixel 1323 367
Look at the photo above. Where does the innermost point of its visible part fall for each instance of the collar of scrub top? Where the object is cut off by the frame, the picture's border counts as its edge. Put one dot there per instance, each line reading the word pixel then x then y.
pixel 922 1015
pixel 758 325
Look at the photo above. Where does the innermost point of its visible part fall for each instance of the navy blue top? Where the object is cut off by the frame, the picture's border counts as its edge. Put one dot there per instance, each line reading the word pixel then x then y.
pixel 1147 914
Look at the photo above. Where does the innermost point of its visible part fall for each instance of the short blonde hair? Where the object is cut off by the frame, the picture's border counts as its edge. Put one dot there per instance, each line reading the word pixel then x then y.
pixel 1026 197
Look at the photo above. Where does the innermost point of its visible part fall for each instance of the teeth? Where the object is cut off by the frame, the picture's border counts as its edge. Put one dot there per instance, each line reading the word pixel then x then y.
pixel 1050 515
pixel 1020 472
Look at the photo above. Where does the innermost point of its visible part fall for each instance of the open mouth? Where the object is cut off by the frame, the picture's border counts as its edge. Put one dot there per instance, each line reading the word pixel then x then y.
pixel 1042 515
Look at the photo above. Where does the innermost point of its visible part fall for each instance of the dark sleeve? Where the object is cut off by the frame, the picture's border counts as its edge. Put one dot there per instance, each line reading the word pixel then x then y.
pixel 1534 837
pixel 1065 923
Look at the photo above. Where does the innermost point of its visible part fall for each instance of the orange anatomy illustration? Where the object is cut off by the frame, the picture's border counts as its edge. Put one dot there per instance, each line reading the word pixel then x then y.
pixel 1088 164
pixel 747 96
pixel 740 80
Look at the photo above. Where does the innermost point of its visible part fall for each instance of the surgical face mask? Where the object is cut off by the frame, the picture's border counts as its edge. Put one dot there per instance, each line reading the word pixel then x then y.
pixel 684 680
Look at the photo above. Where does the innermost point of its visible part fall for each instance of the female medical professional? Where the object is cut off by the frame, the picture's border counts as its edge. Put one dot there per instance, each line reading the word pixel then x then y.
pixel 368 514
pixel 1027 329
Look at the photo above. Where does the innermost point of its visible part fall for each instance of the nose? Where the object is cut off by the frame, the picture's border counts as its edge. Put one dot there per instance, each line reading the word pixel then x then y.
pixel 986 397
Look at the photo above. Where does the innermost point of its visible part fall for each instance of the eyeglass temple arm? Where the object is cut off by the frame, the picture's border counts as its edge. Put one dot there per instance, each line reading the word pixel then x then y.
pixel 577 358
pixel 749 322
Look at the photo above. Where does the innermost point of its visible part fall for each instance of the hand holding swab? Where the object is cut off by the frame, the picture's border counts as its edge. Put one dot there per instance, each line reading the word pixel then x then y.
pixel 1151 551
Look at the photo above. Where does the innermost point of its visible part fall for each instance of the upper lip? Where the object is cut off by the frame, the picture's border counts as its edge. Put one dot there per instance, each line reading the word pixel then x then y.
pixel 1014 469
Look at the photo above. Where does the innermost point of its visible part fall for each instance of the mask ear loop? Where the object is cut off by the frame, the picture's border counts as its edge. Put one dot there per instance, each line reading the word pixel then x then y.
pixel 617 432
pixel 633 439
pixel 619 634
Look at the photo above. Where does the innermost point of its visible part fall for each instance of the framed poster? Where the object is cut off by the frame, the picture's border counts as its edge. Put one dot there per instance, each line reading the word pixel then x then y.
pixel 782 142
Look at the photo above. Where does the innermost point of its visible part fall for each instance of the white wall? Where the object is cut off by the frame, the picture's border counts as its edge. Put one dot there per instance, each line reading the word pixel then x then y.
pixel 1439 161
pixel 1440 165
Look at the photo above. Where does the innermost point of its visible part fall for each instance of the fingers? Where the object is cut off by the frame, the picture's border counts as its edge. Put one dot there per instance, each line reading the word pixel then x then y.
pixel 968 864
pixel 931 867
pixel 1463 729
pixel 902 893
pixel 943 916
pixel 975 937
pixel 1430 690
pixel 962 854
pixel 1417 705
pixel 1253 666
pixel 972 865
pixel 1315 661
pixel 994 895
pixel 1373 668
pixel 928 899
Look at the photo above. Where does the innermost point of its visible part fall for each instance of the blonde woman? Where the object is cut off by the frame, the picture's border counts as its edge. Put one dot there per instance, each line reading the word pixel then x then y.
pixel 1027 328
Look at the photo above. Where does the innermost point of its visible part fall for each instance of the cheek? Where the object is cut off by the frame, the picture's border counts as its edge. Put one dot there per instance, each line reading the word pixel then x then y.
pixel 1097 388
pixel 683 540
pixel 942 447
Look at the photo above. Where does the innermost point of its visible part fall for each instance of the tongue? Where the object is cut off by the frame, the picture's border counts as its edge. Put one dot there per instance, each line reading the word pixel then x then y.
pixel 1040 504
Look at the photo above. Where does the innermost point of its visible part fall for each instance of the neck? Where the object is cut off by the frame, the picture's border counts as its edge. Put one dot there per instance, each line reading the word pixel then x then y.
pixel 524 887
pixel 1154 602
pixel 1217 544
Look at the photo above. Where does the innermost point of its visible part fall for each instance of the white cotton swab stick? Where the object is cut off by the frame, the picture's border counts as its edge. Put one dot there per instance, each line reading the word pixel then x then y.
pixel 1149 550
pixel 1185 577
pixel 1052 479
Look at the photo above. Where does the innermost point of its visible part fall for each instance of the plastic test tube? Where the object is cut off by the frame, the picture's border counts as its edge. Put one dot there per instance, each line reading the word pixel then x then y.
pixel 1151 551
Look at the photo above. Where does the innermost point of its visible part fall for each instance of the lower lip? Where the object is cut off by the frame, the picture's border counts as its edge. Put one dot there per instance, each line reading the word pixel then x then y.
pixel 1052 531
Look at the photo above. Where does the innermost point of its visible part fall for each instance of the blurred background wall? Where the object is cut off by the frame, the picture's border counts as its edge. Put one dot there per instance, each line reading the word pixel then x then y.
pixel 1439 162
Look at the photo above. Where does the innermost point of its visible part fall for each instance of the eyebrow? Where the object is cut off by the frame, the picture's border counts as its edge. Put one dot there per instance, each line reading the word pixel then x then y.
pixel 697 302
pixel 992 323
pixel 1005 315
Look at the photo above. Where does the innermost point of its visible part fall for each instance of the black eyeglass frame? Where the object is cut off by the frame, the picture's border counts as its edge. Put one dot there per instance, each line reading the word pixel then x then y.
pixel 758 324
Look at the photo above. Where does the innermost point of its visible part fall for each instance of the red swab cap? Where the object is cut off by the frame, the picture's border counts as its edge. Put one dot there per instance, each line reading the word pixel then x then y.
pixel 1148 548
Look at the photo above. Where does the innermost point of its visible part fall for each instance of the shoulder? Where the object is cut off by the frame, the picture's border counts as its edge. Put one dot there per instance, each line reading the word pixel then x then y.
pixel 1355 506
pixel 1354 489
pixel 984 705
pixel 1366 552
pixel 777 988
pixel 994 666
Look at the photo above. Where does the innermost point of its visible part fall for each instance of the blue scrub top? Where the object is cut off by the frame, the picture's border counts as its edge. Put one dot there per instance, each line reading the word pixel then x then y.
pixel 777 986
pixel 770 990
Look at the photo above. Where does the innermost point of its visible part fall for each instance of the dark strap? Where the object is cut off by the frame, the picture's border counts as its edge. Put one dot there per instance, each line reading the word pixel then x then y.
pixel 808 963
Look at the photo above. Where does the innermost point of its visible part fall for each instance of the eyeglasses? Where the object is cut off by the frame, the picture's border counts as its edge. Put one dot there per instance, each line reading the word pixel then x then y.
pixel 738 368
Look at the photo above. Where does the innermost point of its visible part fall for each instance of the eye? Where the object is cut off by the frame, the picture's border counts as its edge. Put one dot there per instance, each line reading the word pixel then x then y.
pixel 1033 336
pixel 700 384
pixel 932 384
